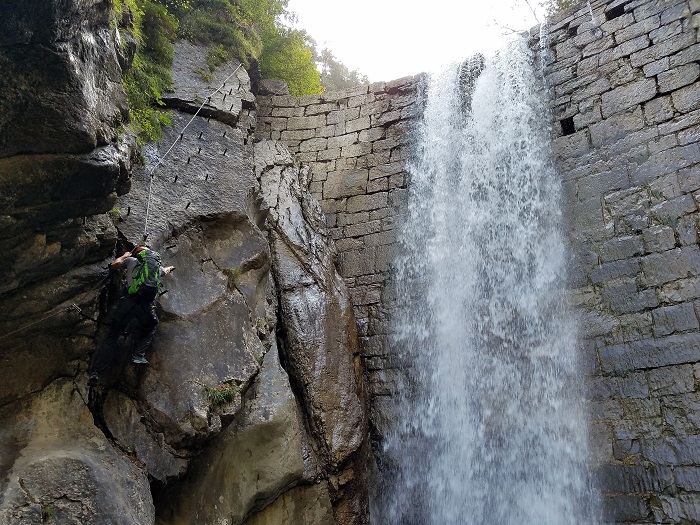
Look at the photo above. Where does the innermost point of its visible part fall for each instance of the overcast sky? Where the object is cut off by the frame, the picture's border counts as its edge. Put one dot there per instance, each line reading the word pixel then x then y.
pixel 389 39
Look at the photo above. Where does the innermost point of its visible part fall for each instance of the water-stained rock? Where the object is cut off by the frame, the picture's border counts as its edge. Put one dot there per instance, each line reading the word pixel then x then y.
pixel 54 463
pixel 259 456
pixel 320 332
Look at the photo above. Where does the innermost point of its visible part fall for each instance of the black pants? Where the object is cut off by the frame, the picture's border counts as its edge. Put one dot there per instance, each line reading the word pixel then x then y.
pixel 128 309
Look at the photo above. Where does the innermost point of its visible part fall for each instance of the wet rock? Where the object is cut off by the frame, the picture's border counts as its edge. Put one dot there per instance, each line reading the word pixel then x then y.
pixel 55 463
pixel 259 456
pixel 309 505
pixel 321 335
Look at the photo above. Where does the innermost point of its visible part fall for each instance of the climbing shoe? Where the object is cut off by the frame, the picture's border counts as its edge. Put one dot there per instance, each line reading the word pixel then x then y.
pixel 93 380
pixel 139 360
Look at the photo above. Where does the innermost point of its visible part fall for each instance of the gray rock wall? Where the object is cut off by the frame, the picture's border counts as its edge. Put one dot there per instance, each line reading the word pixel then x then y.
pixel 357 143
pixel 626 100
pixel 627 118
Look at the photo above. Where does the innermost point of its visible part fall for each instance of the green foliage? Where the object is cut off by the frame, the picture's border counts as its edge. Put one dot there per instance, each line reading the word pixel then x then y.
pixel 233 275
pixel 221 394
pixel 47 512
pixel 288 56
pixel 154 30
pixel 335 75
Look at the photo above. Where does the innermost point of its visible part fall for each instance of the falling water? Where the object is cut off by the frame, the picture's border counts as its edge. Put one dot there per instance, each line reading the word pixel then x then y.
pixel 491 427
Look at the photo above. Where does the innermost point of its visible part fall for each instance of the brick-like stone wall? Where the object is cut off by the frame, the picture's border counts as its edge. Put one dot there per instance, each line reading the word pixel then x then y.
pixel 626 98
pixel 625 88
pixel 357 143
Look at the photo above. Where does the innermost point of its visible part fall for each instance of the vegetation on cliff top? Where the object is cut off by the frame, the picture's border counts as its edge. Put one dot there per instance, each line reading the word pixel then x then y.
pixel 252 31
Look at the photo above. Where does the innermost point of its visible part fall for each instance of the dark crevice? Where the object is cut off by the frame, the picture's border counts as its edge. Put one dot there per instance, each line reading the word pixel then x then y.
pixel 567 126
pixel 615 12
pixel 573 31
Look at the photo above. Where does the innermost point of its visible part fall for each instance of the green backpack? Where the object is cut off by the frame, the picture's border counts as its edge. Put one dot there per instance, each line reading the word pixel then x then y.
pixel 146 283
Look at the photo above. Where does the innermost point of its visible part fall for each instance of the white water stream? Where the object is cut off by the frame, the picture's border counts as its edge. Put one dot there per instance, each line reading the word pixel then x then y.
pixel 491 426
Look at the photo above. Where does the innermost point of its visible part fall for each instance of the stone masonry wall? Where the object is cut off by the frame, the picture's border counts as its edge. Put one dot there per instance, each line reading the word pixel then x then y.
pixel 627 107
pixel 357 143
pixel 625 87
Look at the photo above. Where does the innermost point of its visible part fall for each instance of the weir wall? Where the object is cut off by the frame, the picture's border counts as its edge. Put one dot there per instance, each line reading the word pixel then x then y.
pixel 626 102
pixel 625 90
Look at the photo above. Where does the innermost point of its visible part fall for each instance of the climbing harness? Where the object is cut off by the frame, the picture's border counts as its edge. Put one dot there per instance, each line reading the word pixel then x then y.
pixel 151 172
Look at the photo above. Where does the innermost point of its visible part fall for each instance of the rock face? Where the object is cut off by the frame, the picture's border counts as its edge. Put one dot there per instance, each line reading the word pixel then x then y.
pixel 243 415
pixel 626 101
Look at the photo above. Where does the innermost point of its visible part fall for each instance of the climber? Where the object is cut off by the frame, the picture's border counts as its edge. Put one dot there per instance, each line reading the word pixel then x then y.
pixel 143 275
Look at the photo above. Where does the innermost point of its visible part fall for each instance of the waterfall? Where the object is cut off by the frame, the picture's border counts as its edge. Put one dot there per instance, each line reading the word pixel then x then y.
pixel 490 428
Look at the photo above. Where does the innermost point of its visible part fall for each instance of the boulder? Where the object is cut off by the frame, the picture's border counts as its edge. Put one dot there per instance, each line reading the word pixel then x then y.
pixel 259 456
pixel 55 464
pixel 321 345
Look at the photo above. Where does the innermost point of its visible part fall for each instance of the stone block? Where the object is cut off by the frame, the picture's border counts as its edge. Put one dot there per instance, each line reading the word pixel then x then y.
pixel 356 150
pixel 623 508
pixel 686 56
pixel 689 179
pixel 657 66
pixel 386 118
pixel 687 229
pixel 662 49
pixel 680 290
pixel 318 109
pixel 384 170
pixel 625 49
pixel 355 263
pixel 597 46
pixel 689 136
pixel 675 318
pixel 686 99
pixel 376 185
pixel 343 115
pixel 616 127
pixel 371 135
pixel 666 31
pixel 362 123
pixel 329 154
pixel 367 202
pixel 658 239
pixel 665 162
pixel 673 13
pixel 575 84
pixel 375 108
pixel 345 184
pixel 624 97
pixel 297 135
pixel 360 229
pixel 621 248
pixel 614 270
pixel 655 353
pixel 317 121
pixel 346 164
pixel 641 28
pixel 326 131
pixel 678 77
pixel 622 297
pixel 282 112
pixel 662 143
pixel 571 146
pixel 669 211
pixel 315 144
pixel 688 478
pixel 680 123
pixel 596 87
pixel 342 141
pixel 630 479
pixel 664 267
pixel 280 101
pixel 658 110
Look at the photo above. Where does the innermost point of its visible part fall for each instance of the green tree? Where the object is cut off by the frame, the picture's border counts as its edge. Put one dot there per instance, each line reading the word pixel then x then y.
pixel 288 55
pixel 335 75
